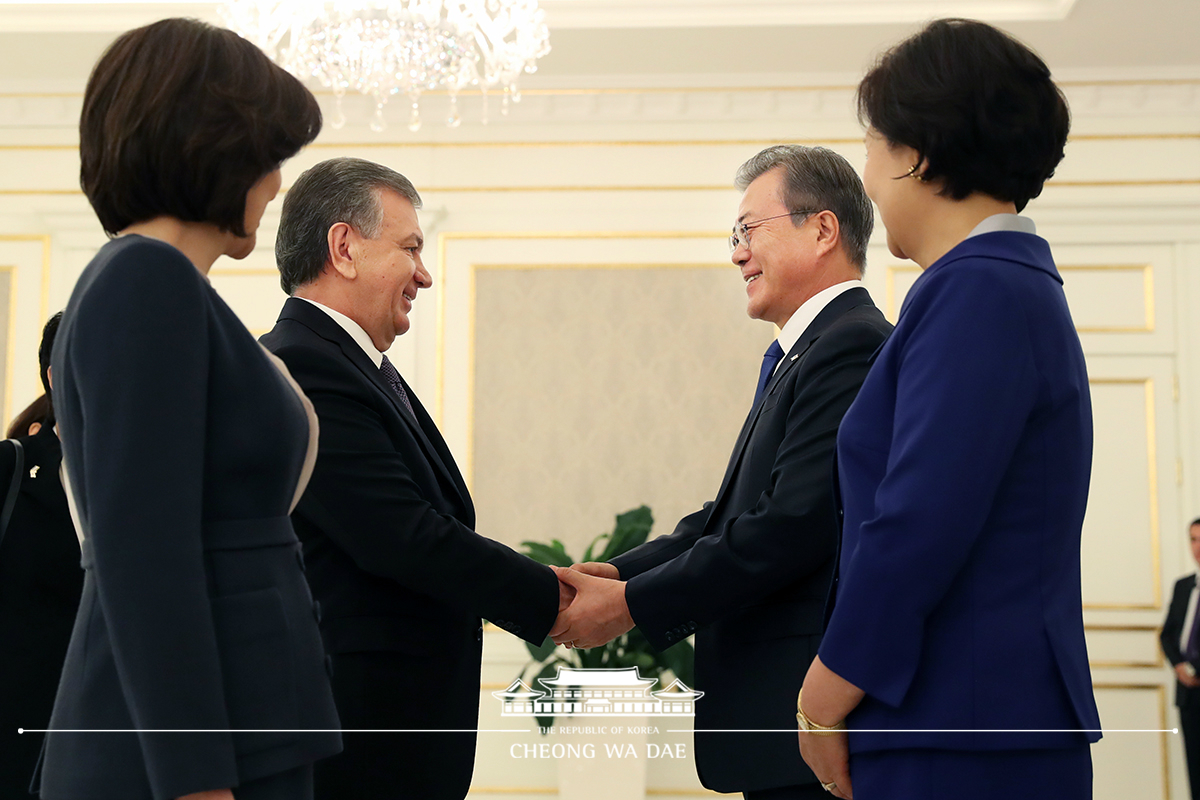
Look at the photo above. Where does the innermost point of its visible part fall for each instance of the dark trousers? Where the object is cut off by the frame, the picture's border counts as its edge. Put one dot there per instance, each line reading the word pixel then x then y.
pixel 809 791
pixel 1059 774
pixel 375 691
pixel 1189 724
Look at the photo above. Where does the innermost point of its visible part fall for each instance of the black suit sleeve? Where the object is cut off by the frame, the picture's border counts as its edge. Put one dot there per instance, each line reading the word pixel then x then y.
pixel 364 494
pixel 791 531
pixel 1173 625
pixel 664 548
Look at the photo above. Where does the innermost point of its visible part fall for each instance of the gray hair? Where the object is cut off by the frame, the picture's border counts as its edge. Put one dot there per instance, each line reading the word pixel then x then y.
pixel 817 177
pixel 338 190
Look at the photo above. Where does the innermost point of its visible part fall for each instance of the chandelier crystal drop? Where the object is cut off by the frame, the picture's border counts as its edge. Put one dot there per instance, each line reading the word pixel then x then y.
pixel 398 47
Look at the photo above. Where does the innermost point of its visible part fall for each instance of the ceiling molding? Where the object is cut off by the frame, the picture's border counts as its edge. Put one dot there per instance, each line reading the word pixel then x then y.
pixel 566 14
pixel 58 16
pixel 600 109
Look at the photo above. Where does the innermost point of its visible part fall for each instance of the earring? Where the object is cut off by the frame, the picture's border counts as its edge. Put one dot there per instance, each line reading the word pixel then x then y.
pixel 912 173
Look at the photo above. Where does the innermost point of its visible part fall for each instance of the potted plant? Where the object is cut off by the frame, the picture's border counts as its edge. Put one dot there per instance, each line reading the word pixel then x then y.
pixel 630 650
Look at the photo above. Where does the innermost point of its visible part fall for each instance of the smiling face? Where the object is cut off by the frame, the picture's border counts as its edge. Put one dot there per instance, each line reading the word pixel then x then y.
pixel 778 261
pixel 389 272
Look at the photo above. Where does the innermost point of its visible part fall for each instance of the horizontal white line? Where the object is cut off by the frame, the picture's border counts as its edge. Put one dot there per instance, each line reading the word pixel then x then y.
pixel 530 730
pixel 937 730
pixel 272 730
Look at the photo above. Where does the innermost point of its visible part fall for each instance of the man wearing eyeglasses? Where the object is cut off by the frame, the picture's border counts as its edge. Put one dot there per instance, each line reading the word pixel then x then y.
pixel 750 572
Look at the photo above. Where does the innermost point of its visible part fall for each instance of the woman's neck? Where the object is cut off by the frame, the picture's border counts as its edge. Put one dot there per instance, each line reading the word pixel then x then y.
pixel 949 221
pixel 202 242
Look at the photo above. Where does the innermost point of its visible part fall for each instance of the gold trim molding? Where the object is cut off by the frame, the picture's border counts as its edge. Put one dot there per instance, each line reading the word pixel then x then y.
pixel 445 238
pixel 1158 662
pixel 637 188
pixel 1161 695
pixel 1153 498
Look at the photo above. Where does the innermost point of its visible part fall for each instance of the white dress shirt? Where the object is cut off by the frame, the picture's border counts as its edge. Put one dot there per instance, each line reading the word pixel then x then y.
pixel 807 312
pixel 354 329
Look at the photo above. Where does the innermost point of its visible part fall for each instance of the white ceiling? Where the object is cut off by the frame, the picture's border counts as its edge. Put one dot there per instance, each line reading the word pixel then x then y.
pixel 51 46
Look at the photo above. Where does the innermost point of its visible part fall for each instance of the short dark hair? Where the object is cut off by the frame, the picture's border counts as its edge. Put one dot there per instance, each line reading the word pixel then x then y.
pixel 978 106
pixel 42 409
pixel 817 177
pixel 181 118
pixel 49 334
pixel 1196 521
pixel 338 190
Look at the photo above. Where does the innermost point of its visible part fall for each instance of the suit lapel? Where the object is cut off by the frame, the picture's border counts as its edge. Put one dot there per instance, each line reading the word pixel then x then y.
pixel 419 422
pixel 851 298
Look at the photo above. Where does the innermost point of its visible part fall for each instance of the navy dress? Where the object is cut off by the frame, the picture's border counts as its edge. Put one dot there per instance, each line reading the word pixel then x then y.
pixel 185 449
pixel 964 466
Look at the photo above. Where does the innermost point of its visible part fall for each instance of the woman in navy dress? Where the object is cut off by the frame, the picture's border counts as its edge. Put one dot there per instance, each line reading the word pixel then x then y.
pixel 955 652
pixel 185 445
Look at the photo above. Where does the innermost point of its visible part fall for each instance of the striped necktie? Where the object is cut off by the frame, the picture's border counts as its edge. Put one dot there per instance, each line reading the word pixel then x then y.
pixel 393 378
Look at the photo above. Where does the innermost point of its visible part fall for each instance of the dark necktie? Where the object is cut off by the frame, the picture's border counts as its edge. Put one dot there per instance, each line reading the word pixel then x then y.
pixel 393 378
pixel 1192 650
pixel 770 360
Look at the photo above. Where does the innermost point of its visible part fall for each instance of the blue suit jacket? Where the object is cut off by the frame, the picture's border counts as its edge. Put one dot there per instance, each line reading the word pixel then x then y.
pixel 964 465
pixel 184 446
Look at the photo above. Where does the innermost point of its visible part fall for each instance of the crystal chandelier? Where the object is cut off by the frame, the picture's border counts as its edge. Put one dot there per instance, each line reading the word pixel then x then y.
pixel 399 46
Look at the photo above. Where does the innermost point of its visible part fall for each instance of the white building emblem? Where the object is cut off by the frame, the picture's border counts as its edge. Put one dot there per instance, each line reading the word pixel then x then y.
pixel 598 692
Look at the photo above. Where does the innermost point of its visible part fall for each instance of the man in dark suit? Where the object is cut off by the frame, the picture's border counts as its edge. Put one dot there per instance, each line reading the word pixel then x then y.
pixel 1181 645
pixel 387 523
pixel 750 571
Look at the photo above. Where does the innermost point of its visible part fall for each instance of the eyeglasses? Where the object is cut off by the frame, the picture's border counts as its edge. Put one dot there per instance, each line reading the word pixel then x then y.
pixel 741 231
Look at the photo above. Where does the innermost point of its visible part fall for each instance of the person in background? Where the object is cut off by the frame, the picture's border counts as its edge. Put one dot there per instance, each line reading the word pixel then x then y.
pixel 40 582
pixel 185 445
pixel 1181 645
pixel 955 652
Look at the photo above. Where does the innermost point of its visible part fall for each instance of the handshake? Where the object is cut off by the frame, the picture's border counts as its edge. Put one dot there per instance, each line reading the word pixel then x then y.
pixel 591 605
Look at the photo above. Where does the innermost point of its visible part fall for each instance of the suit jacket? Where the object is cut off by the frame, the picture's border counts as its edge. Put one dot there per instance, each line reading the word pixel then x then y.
pixel 749 572
pixel 40 583
pixel 1172 632
pixel 964 466
pixel 387 525
pixel 184 446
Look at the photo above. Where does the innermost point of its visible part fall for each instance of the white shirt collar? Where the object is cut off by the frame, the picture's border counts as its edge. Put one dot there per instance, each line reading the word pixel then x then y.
pixel 1004 222
pixel 808 311
pixel 354 329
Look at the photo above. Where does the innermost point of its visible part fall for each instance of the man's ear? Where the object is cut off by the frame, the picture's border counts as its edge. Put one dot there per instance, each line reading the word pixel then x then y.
pixel 829 231
pixel 343 249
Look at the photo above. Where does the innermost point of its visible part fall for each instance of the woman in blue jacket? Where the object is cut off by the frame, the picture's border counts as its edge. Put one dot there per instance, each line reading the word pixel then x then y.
pixel 955 652
pixel 185 445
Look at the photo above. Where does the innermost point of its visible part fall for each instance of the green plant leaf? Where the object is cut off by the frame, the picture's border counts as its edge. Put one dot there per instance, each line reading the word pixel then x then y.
pixel 553 553
pixel 589 554
pixel 540 652
pixel 632 529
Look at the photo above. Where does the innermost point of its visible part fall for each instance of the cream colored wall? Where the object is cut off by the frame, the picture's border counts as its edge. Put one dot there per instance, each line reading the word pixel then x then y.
pixel 587 230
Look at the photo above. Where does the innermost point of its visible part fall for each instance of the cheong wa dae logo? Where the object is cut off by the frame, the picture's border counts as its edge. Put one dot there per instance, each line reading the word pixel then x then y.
pixel 598 692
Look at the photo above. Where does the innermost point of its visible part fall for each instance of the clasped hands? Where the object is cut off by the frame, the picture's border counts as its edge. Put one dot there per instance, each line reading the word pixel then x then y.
pixel 591 605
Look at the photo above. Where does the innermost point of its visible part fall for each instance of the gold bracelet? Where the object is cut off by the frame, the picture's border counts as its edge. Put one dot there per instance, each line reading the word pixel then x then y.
pixel 808 725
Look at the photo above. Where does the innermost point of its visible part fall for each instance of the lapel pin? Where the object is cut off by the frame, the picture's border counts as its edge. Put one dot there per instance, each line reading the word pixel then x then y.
pixel 33 472
pixel 794 358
